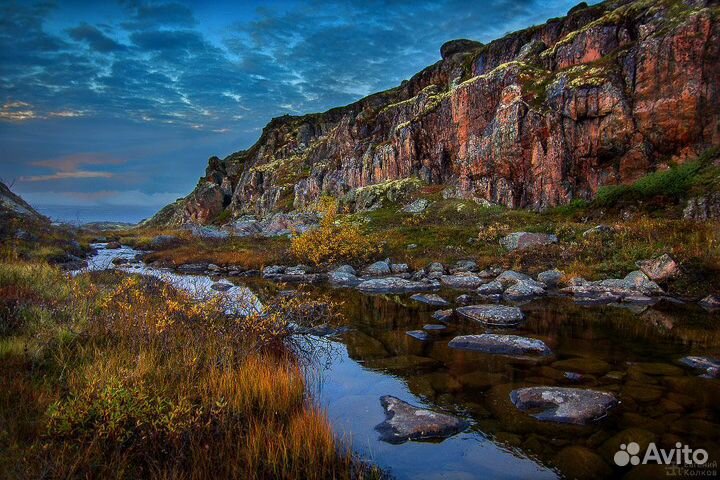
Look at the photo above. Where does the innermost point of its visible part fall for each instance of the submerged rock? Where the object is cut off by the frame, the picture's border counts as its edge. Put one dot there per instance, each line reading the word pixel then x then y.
pixel 395 285
pixel 405 422
pixel 564 405
pixel 421 335
pixel 430 299
pixel 521 240
pixel 492 315
pixel 513 345
pixel 710 302
pixel 709 365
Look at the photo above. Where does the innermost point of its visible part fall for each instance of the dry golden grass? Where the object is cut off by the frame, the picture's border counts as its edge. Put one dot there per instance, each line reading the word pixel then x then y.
pixel 119 377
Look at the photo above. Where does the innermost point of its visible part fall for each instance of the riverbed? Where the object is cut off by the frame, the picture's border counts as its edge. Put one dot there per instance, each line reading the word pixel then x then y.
pixel 631 351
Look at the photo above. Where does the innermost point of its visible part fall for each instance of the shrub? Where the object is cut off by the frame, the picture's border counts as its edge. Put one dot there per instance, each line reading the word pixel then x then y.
pixel 333 241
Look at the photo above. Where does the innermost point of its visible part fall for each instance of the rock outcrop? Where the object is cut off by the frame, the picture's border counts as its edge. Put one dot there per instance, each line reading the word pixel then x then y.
pixel 535 119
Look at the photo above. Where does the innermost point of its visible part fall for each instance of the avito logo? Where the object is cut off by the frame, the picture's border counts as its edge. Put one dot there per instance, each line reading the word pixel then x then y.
pixel 680 455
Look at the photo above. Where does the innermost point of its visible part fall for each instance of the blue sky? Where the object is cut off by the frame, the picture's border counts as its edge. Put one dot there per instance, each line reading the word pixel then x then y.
pixel 121 104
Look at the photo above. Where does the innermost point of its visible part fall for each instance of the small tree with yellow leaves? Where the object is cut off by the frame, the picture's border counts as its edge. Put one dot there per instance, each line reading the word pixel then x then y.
pixel 333 241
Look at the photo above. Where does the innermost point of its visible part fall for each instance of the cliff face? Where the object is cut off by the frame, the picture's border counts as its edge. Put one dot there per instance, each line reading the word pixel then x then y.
pixel 533 120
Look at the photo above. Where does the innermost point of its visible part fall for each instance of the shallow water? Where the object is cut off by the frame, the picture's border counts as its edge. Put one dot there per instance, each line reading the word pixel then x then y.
pixel 631 352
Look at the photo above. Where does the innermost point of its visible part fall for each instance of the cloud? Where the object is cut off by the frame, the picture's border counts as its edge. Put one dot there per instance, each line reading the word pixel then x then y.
pixel 133 198
pixel 65 176
pixel 96 39
pixel 68 168
pixel 17 111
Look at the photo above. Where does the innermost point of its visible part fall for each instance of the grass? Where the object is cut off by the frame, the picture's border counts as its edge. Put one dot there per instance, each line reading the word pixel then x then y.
pixel 108 376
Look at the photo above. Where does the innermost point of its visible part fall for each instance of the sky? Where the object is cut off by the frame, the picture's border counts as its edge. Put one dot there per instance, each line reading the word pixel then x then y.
pixel 120 104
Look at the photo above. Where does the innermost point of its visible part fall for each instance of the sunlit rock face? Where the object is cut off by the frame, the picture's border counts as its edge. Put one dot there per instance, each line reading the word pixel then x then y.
pixel 533 120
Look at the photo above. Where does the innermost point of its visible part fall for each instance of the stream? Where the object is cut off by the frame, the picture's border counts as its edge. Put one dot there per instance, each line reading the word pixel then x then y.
pixel 632 352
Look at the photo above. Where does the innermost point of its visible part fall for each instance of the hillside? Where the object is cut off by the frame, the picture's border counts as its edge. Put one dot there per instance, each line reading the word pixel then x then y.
pixel 538 118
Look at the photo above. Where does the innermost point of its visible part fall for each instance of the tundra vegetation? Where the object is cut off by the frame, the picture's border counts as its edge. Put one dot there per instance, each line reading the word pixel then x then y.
pixel 107 375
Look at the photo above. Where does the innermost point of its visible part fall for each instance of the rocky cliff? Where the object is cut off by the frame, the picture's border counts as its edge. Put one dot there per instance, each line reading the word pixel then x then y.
pixel 542 116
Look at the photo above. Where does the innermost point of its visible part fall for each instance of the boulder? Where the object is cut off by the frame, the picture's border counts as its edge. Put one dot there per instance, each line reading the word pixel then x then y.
pixel 659 269
pixel 343 279
pixel 564 405
pixel 492 315
pixel 614 289
pixel 399 268
pixel 512 345
pixel 273 270
pixel 523 290
pixel 551 278
pixel 444 316
pixel 418 206
pixel 435 267
pixel 112 246
pixel 453 47
pixel 395 285
pixel 421 335
pixel 462 281
pixel 378 268
pixel 345 269
pixel 521 240
pixel 511 277
pixel 464 266
pixel 298 270
pixel 430 299
pixel 160 242
pixel 491 288
pixel 247 226
pixel 405 422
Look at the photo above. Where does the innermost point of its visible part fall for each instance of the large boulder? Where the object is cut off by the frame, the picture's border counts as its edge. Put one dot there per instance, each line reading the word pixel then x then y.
pixel 513 345
pixel 659 269
pixel 521 240
pixel 395 285
pixel 405 422
pixel 492 315
pixel 381 267
pixel 461 45
pixel 551 278
pixel 563 405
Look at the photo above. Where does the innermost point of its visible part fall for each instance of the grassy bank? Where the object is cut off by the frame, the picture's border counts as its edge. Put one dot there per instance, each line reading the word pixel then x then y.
pixel 106 376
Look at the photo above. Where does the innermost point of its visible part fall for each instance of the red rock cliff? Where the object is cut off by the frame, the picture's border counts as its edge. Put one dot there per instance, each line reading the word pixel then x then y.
pixel 532 120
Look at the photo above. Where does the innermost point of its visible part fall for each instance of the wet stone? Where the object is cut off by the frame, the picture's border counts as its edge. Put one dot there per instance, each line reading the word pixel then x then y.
pixel 421 335
pixel 708 365
pixel 501 344
pixel 563 405
pixel 405 422
pixel 434 328
pixel 492 315
pixel 444 316
pixel 462 281
pixel 394 285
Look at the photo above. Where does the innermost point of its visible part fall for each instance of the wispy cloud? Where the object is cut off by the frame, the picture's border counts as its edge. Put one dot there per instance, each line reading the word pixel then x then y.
pixel 65 176
pixel 69 167
pixel 17 111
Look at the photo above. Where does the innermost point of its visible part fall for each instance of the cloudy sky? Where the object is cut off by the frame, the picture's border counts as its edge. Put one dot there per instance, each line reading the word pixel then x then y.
pixel 121 104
